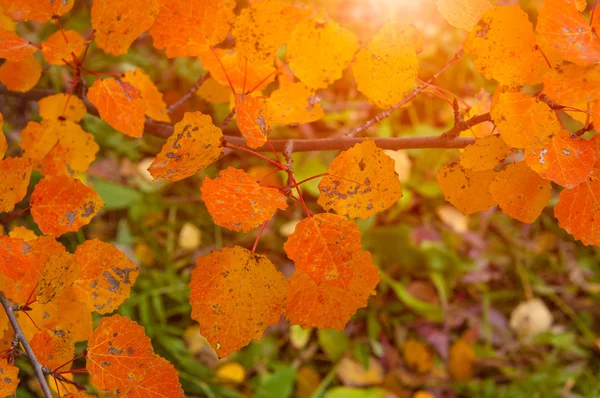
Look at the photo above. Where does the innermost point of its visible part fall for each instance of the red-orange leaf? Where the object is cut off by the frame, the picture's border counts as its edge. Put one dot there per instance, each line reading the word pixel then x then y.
pixel 106 276
pixel 324 247
pixel 119 354
pixel 319 304
pixel 10 379
pixel 253 119
pixel 236 201
pixel 466 189
pixel 578 210
pixel 119 105
pixel 35 10
pixel 14 257
pixel 160 381
pixel 15 174
pixel 53 347
pixel 62 45
pixel 13 47
pixel 235 296
pixel 152 98
pixel 22 75
pixel 61 204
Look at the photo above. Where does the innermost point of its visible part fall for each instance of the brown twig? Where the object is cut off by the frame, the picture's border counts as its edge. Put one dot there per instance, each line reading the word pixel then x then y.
pixel 189 93
pixel 37 366
pixel 462 125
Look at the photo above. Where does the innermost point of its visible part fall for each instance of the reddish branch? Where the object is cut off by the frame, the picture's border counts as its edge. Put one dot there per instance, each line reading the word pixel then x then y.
pixel 189 93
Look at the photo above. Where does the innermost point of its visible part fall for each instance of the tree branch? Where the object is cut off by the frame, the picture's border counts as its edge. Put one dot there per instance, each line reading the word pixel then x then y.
pixel 189 93
pixel 37 366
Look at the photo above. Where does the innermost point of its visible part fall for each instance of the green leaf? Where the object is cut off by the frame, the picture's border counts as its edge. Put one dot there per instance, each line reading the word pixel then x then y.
pixel 334 343
pixel 278 384
pixel 116 196
pixel 429 311
pixel 348 392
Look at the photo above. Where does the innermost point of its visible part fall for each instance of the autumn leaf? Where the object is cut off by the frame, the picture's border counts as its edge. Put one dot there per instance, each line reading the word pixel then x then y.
pixel 294 103
pixel 236 201
pixel 161 380
pixel 324 247
pixel 22 233
pixel 463 14
pixel 64 44
pixel 155 107
pixel 58 274
pixel 186 28
pixel 61 204
pixel 578 210
pixel 253 119
pixel 195 144
pixel 485 154
pixel 387 67
pixel 235 296
pixel 53 347
pixel 15 48
pixel 361 182
pixel 118 355
pixel 119 104
pixel 3 143
pixel 214 92
pixel 462 360
pixel 106 276
pixel 322 304
pixel 14 257
pixel 520 192
pixel 35 10
pixel 22 75
pixel 10 379
pixel 332 45
pixel 523 120
pixel 466 189
pixel 62 105
pixel 118 23
pixel 15 173
pixel 417 356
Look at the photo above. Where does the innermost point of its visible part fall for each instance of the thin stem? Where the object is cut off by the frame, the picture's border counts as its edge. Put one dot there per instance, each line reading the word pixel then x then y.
pixel 189 93
pixel 262 228
pixel 544 55
pixel 227 119
pixel 241 148
pixel 593 14
pixel 37 366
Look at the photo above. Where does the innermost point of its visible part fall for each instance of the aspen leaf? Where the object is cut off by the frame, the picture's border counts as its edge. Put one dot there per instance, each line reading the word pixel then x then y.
pixel 118 23
pixel 106 276
pixel 53 347
pixel 417 356
pixel 62 105
pixel 294 103
pixel 15 174
pixel 265 26
pixel 186 28
pixel 481 103
pixel 151 97
pixel 387 67
pixel 62 45
pixel 231 372
pixel 58 274
pixel 327 42
pixel 21 76
pixel 161 380
pixel 578 210
pixel 503 47
pixel 35 10
pixel 15 48
pixel 353 373
pixel 236 201
pixel 118 354
pixel 61 204
pixel 322 304
pixel 214 92
pixel 9 376
pixel 324 247
pixel 485 154
pixel 466 189
pixel 195 144
pixel 14 257
pixel 566 161
pixel 563 27
pixel 235 296
pixel 461 361
pixel 3 143
pixel 463 14
pixel 6 22
pixel 38 139
pixel 253 119
pixel 520 192
pixel 523 120
pixel 74 152
pixel 22 233
pixel 362 181
pixel 119 105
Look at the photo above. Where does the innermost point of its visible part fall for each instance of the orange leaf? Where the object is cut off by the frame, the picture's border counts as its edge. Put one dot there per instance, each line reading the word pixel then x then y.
pixel 14 257
pixel 22 233
pixel 253 119
pixel 187 27
pixel 3 143
pixel 323 305
pixel 21 76
pixel 160 381
pixel 324 246
pixel 327 43
pixel 462 359
pixel 119 105
pixel 566 161
pixel 38 139
pixel 15 174
pixel 362 181
pixel 62 45
pixel 62 105
pixel 520 192
pixel 463 14
pixel 466 189
pixel 15 48
pixel 35 10
pixel 10 379
pixel 58 274
pixel 236 201
pixel 578 210
pixel 485 154
pixel 61 204
pixel 417 356
pixel 152 98
pixel 118 355
pixel 53 347
pixel 119 23
pixel 213 91
pixel 563 27
pixel 106 276
pixel 523 120
pixel 503 47
pixel 235 296
pixel 195 144
pixel 294 103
